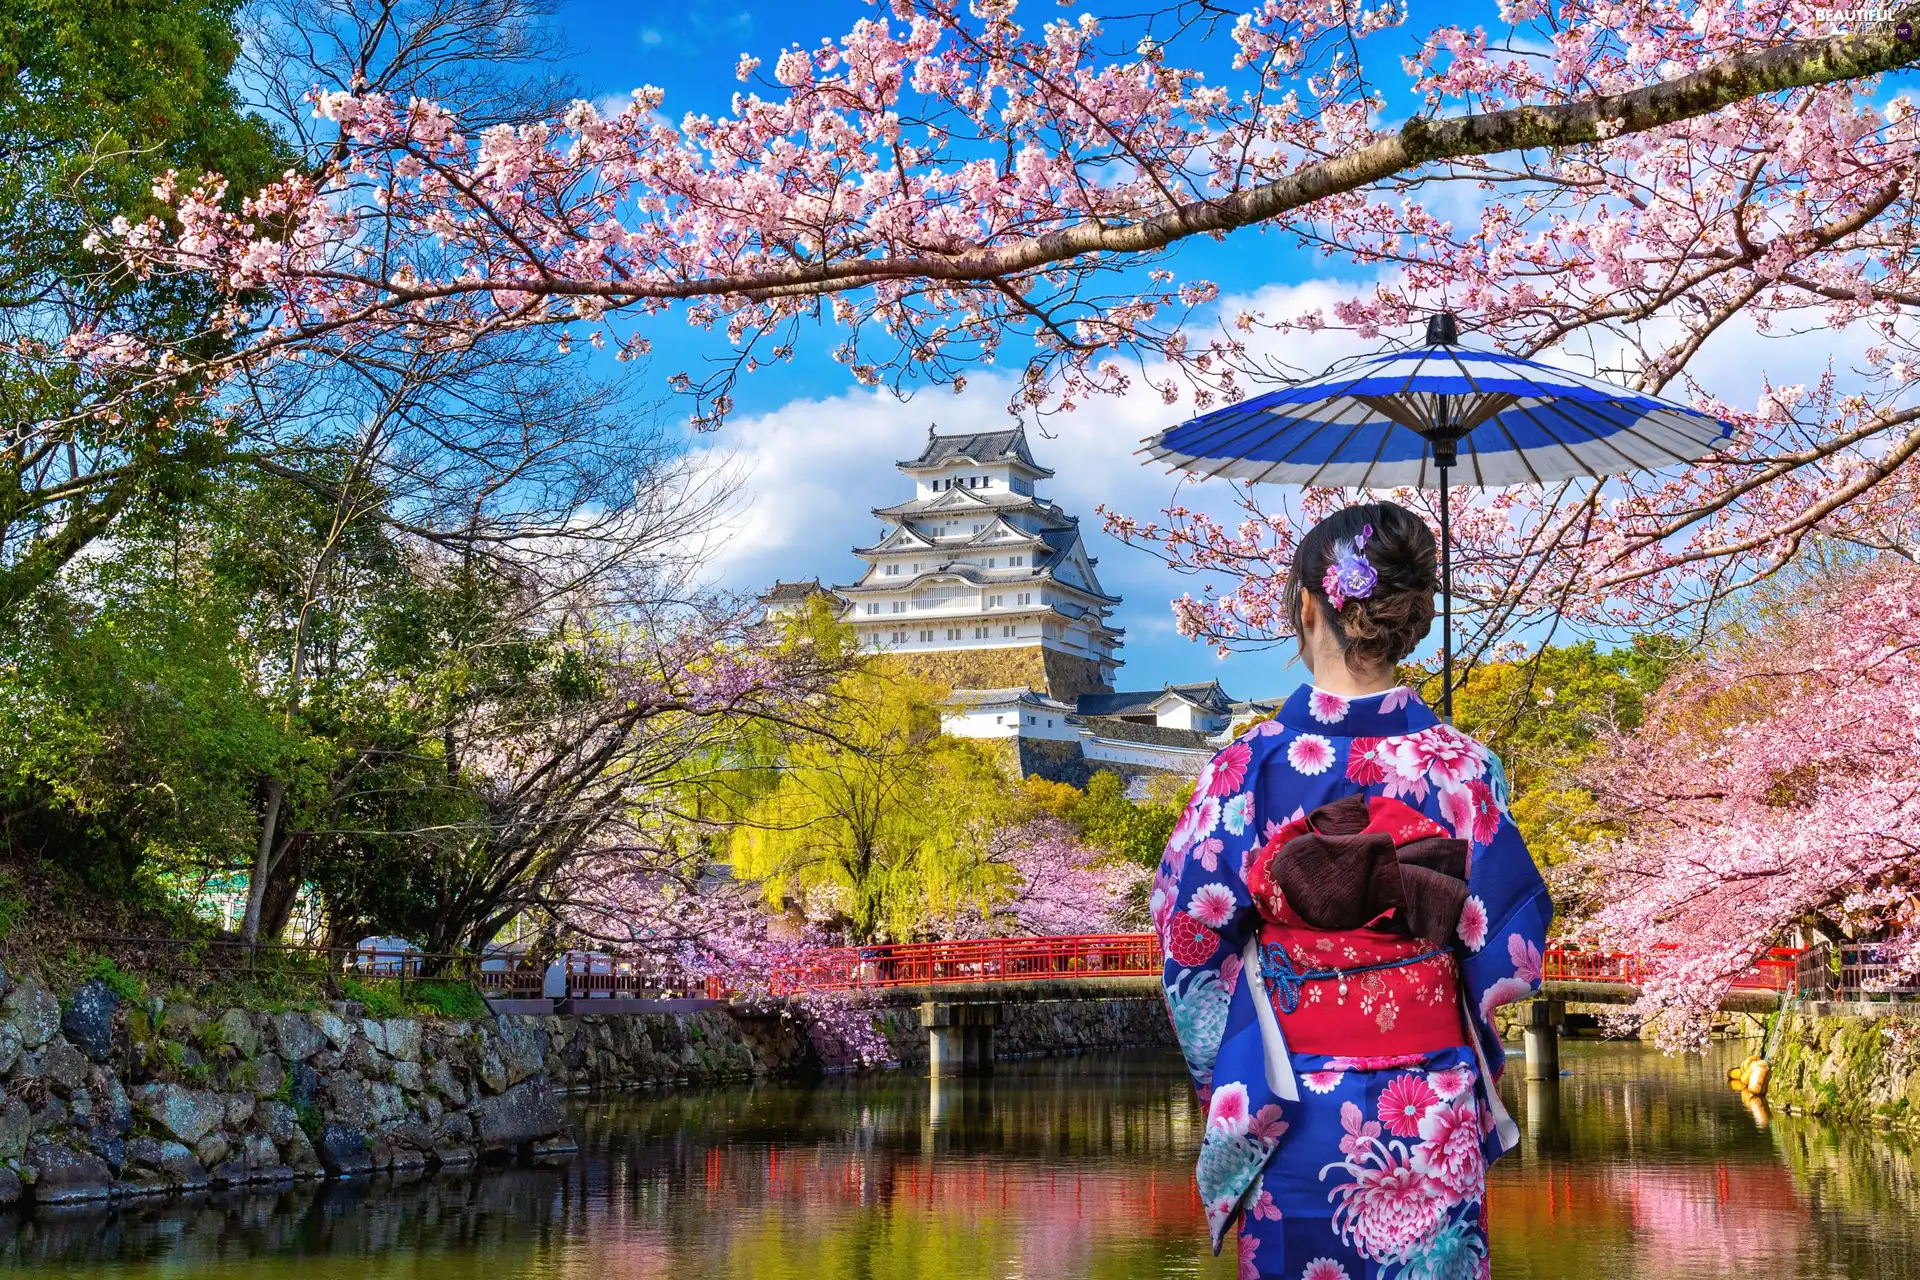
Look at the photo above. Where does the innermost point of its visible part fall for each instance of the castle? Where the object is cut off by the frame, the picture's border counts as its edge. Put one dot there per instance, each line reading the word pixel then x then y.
pixel 982 585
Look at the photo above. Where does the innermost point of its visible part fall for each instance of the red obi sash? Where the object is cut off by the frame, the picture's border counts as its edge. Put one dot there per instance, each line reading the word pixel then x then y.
pixel 1361 898
pixel 1406 1006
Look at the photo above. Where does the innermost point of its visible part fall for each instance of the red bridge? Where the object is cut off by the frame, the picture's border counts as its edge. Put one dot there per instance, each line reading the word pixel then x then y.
pixel 1084 966
pixel 1615 975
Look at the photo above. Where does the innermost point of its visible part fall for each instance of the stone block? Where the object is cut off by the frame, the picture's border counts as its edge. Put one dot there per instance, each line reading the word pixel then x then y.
pixel 62 1175
pixel 237 1029
pixel 297 1037
pixel 33 1011
pixel 187 1114
pixel 526 1112
pixel 88 1020
pixel 64 1066
pixel 403 1039
pixel 344 1151
pixel 16 1126
pixel 174 1163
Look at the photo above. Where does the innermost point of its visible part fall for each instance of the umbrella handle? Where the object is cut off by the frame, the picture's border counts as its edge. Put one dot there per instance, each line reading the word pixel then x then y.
pixel 1446 598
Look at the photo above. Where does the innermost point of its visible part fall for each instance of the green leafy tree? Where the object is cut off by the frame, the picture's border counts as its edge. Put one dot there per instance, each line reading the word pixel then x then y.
pixel 1546 715
pixel 97 103
pixel 873 815
pixel 1105 818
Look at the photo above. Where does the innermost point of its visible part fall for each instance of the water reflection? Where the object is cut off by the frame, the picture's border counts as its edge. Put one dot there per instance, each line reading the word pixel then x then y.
pixel 1632 1165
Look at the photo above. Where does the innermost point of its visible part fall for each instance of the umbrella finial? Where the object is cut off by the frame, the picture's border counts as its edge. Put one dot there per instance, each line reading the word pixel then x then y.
pixel 1443 330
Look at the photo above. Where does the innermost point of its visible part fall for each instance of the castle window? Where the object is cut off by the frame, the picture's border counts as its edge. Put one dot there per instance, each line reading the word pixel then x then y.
pixel 1049 722
pixel 893 570
pixel 926 633
pixel 953 633
pixel 899 606
pixel 1007 630
pixel 1014 562
pixel 979 633
pixel 873 608
pixel 899 637
pixel 1029 719
pixel 1026 597
pixel 990 560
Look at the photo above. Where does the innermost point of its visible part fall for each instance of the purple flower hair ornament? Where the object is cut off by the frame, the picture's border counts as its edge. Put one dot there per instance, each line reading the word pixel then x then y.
pixel 1351 576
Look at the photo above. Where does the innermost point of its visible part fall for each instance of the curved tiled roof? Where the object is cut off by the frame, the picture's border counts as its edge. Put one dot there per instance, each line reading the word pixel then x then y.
pixel 1149 735
pixel 979 446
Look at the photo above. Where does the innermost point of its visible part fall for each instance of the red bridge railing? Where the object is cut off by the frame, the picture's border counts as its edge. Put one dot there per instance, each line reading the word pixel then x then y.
pixel 914 964
pixel 1118 955
pixel 1774 971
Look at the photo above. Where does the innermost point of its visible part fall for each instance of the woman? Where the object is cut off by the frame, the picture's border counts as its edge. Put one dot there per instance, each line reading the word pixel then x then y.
pixel 1335 1012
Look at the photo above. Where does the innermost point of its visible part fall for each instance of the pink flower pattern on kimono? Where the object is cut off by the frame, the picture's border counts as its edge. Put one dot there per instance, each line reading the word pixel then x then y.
pixel 1229 770
pixel 1324 1269
pixel 1405 1101
pixel 1322 1081
pixel 1310 754
pixel 1249 1268
pixel 1360 1131
pixel 1212 904
pixel 1524 982
pixel 1473 923
pixel 1449 1150
pixel 1389 1208
pixel 1267 1125
pixel 1327 708
pixel 1228 1110
pixel 1450 1082
pixel 1367 763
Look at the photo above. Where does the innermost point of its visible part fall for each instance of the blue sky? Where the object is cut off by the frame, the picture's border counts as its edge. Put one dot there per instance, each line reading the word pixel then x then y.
pixel 810 452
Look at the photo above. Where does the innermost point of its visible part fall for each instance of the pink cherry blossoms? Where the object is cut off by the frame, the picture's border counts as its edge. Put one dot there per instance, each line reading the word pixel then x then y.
pixel 1773 788
pixel 943 178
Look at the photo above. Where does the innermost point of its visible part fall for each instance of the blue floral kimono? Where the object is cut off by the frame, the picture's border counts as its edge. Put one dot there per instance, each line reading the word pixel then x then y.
pixel 1353 1167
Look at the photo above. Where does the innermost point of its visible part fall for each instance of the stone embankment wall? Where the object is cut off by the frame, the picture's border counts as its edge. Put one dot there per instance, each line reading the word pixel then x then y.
pixel 1856 1069
pixel 102 1097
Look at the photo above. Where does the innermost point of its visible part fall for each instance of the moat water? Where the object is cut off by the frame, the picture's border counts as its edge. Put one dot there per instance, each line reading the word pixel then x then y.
pixel 1636 1165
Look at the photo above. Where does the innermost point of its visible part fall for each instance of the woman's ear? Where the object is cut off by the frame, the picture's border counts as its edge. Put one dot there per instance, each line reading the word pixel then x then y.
pixel 1310 624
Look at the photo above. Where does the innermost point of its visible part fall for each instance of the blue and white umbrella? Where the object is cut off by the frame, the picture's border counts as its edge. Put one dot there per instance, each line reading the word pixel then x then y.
pixel 1412 417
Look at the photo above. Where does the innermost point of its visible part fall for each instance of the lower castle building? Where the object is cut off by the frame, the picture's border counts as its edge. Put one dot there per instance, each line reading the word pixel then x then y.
pixel 981 585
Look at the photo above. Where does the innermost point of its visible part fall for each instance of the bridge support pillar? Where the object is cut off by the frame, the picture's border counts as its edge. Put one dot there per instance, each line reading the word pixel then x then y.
pixel 959 1037
pixel 1541 1036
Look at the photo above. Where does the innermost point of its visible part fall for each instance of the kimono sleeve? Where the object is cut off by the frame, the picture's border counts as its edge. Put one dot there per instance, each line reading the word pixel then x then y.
pixel 1503 927
pixel 1205 918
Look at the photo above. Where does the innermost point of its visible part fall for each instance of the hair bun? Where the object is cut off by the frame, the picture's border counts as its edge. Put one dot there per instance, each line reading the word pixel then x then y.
pixel 1384 626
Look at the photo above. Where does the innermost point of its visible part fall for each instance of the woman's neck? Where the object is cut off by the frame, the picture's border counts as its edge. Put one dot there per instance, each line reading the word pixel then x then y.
pixel 1347 684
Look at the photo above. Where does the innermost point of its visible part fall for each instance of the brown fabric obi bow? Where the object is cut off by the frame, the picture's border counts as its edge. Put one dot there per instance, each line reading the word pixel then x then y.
pixel 1359 863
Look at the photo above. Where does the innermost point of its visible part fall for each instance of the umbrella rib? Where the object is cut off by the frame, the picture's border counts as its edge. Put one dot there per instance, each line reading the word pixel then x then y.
pixel 1374 461
pixel 1518 452
pixel 1593 436
pixel 1553 433
pixel 1335 421
pixel 1248 431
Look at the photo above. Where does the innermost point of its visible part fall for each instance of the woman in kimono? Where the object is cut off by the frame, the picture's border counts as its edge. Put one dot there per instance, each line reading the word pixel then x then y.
pixel 1342 906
